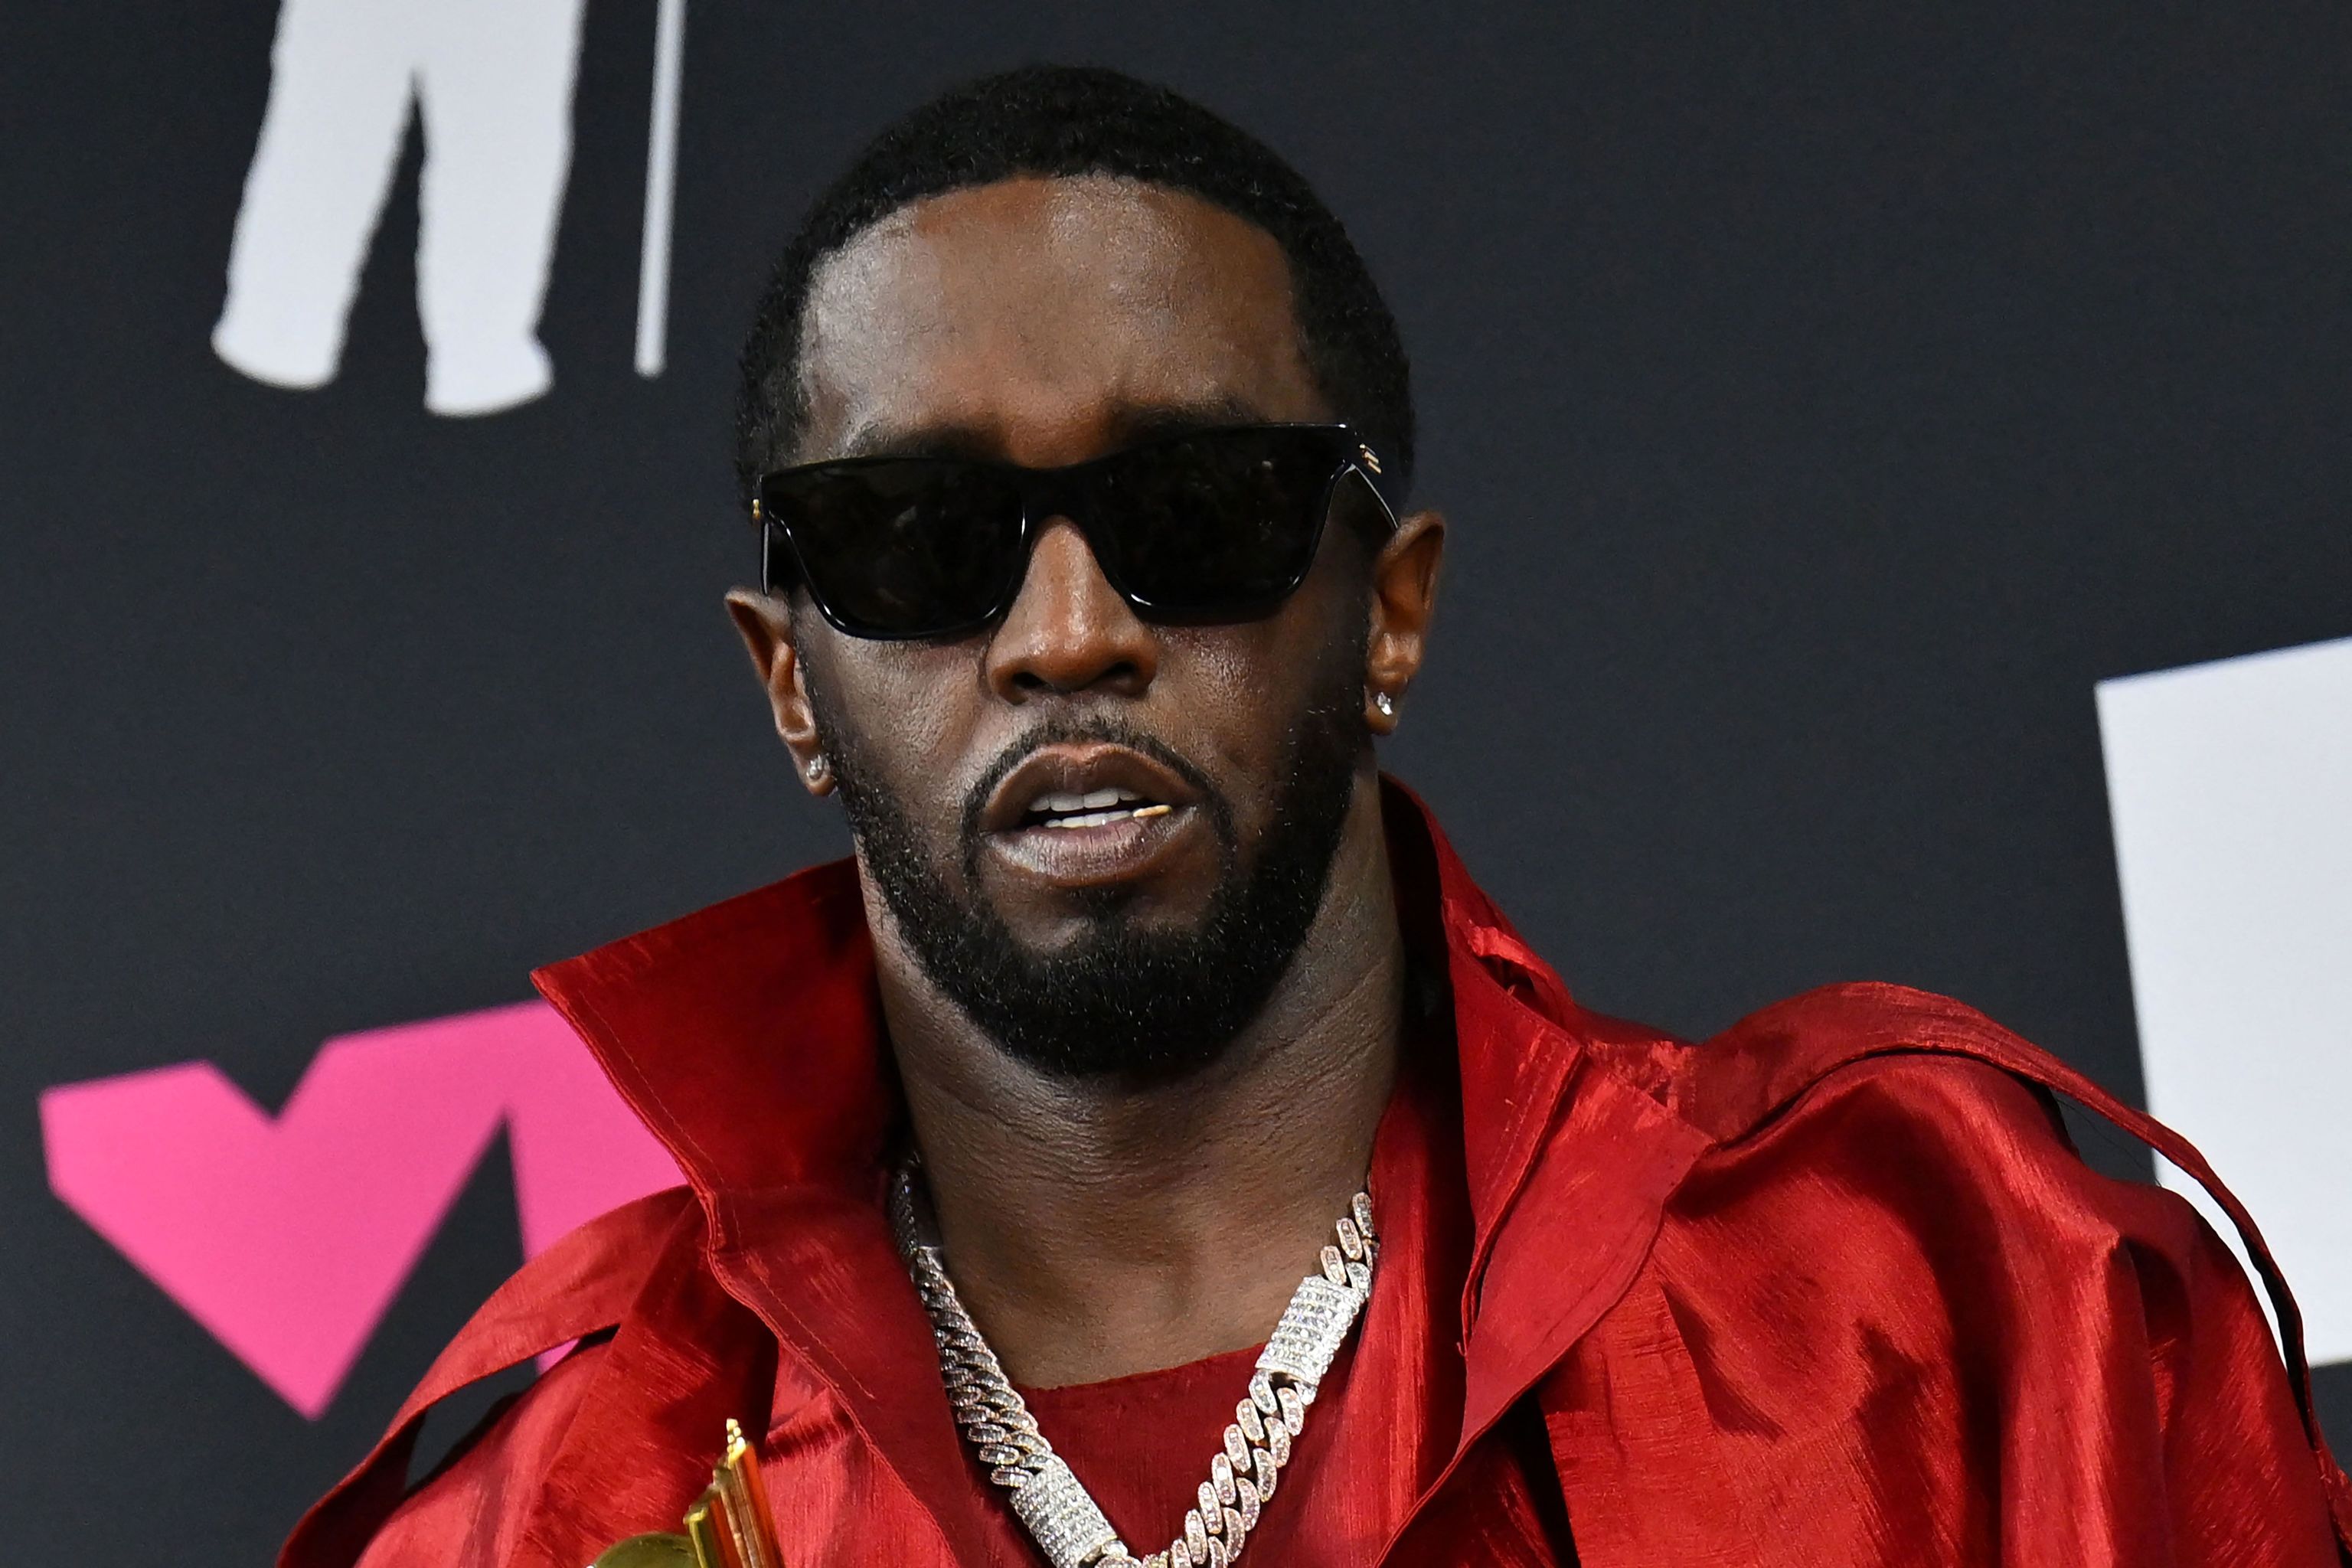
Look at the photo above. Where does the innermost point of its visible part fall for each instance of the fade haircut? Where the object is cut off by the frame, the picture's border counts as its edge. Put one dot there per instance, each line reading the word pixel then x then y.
pixel 1065 121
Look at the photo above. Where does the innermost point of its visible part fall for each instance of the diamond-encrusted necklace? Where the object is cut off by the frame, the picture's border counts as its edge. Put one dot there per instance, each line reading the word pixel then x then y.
pixel 1059 1513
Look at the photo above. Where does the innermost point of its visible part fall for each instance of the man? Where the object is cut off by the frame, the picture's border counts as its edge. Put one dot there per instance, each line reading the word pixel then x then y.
pixel 1079 438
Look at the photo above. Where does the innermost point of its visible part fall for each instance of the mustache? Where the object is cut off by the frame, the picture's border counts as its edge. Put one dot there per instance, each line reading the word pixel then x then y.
pixel 1063 730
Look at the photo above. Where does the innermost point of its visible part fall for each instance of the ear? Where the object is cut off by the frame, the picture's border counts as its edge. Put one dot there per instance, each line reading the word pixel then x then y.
pixel 1403 598
pixel 765 624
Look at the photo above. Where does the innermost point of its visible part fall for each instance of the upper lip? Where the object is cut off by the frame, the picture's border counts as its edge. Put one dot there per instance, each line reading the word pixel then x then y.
pixel 1074 770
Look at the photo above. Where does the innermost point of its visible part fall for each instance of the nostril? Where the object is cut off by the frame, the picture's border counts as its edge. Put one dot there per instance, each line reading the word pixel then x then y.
pixel 1123 675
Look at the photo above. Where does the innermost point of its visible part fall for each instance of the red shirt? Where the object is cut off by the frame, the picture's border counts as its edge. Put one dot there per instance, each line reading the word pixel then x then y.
pixel 1830 1290
pixel 1385 1420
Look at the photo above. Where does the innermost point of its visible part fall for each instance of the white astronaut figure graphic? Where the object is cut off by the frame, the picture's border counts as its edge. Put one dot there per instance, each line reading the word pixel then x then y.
pixel 492 81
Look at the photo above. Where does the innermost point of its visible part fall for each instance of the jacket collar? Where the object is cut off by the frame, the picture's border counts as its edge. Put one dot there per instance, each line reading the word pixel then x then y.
pixel 749 1037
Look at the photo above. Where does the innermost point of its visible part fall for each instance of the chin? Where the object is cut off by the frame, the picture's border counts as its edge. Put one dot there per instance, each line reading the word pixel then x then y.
pixel 1102 922
pixel 1048 921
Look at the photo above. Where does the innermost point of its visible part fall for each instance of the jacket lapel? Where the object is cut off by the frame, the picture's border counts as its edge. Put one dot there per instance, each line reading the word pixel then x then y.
pixel 1570 1146
pixel 820 1270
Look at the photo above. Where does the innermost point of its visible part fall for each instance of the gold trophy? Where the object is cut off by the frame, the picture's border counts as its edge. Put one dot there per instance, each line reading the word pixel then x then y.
pixel 728 1527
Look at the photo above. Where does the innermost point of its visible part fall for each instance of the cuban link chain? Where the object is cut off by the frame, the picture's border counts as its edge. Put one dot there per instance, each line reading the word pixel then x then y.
pixel 1053 1505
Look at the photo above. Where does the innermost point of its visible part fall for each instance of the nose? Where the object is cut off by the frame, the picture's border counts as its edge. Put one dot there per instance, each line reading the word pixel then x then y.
pixel 1068 631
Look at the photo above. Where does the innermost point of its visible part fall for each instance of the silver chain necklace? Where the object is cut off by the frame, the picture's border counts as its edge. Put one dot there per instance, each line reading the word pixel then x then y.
pixel 1053 1505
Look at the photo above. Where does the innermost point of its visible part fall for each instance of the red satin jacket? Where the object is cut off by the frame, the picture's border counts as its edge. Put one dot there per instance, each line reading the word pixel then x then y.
pixel 1831 1288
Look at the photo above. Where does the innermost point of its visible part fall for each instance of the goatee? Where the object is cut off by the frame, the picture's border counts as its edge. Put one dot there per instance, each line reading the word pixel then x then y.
pixel 1123 1001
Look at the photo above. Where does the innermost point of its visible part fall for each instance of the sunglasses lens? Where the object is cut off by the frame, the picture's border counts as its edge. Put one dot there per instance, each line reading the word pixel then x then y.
pixel 902 547
pixel 1220 524
pixel 1224 523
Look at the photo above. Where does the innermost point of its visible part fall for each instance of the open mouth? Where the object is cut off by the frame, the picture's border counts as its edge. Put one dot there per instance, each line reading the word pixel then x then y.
pixel 1095 808
pixel 1071 787
pixel 1090 813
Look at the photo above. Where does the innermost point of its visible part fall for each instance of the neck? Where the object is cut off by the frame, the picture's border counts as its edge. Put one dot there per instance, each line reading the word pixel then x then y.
pixel 1097 1230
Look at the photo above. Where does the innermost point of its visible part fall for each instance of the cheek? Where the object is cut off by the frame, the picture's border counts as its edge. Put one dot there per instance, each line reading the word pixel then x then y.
pixel 908 711
pixel 1246 689
pixel 1265 673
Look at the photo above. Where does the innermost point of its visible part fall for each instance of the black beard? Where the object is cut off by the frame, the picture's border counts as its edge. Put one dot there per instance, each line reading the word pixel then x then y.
pixel 1135 1005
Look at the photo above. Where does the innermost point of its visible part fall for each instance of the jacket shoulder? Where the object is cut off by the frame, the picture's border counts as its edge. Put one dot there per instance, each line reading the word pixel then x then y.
pixel 1728 1087
pixel 1902 1129
pixel 1915 1098
pixel 1930 1106
pixel 1889 1275
pixel 1759 1068
pixel 583 1284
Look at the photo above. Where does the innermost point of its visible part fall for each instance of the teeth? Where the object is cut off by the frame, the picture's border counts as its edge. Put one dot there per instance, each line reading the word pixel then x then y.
pixel 1104 818
pixel 1093 800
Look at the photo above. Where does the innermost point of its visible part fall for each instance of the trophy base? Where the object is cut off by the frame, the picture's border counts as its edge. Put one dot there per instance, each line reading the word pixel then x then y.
pixel 659 1548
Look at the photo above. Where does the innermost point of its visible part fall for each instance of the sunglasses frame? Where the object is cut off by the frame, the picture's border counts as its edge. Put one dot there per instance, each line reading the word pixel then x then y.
pixel 1061 492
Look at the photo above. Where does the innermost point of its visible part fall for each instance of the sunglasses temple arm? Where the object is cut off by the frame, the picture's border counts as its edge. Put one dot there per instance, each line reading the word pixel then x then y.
pixel 1372 483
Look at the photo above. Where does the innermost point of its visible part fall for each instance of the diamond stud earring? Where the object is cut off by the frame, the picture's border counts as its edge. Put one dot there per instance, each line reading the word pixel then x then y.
pixel 1385 703
pixel 816 767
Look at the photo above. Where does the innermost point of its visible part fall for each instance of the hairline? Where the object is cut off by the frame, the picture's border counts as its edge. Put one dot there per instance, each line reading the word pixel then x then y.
pixel 793 428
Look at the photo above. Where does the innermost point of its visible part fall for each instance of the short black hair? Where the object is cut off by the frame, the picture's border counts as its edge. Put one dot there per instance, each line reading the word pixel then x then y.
pixel 1063 120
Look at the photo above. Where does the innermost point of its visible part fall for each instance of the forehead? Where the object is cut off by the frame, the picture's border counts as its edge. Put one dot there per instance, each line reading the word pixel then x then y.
pixel 1033 318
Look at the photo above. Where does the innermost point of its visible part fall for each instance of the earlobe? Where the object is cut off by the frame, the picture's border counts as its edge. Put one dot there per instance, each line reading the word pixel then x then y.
pixel 765 624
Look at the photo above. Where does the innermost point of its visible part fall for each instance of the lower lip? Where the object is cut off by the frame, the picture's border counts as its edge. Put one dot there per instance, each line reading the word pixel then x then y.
pixel 1117 851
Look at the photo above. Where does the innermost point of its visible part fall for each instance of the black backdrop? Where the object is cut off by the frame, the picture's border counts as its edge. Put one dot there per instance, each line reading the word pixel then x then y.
pixel 1825 397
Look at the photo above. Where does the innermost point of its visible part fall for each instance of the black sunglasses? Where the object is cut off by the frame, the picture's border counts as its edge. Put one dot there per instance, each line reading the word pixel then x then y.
pixel 1208 525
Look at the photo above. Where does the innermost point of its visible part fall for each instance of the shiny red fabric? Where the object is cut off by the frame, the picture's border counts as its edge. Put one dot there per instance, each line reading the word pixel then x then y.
pixel 1831 1288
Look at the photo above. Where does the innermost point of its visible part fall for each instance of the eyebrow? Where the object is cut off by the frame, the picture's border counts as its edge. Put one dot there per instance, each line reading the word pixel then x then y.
pixel 1129 425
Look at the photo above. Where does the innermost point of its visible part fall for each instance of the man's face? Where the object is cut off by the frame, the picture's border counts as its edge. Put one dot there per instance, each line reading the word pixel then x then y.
pixel 1044 322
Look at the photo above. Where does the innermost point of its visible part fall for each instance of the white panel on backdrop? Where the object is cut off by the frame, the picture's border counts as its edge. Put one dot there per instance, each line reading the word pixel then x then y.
pixel 492 79
pixel 661 187
pixel 2231 787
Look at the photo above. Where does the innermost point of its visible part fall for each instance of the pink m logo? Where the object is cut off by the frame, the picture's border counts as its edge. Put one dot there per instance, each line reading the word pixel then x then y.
pixel 288 1238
